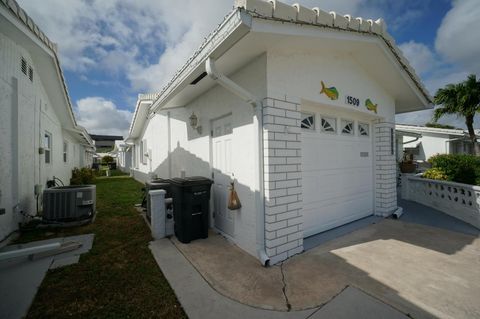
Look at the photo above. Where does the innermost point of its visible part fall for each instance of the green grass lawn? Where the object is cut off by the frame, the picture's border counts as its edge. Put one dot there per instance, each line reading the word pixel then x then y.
pixel 118 278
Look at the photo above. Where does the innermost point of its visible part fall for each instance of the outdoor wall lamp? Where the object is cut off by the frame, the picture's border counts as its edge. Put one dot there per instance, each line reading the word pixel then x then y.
pixel 194 123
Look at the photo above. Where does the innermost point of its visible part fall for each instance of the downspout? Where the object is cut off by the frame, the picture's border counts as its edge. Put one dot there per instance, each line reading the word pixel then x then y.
pixel 258 151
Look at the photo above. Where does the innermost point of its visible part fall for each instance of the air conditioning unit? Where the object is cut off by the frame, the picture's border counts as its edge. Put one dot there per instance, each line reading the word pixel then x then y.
pixel 69 203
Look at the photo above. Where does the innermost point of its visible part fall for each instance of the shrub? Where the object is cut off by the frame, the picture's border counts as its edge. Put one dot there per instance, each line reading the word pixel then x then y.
pixel 460 168
pixel 82 176
pixel 107 159
pixel 435 173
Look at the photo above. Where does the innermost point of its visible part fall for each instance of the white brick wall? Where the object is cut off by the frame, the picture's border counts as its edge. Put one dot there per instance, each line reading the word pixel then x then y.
pixel 385 169
pixel 282 160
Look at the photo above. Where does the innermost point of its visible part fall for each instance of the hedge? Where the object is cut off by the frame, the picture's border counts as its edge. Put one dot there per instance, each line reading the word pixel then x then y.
pixel 460 168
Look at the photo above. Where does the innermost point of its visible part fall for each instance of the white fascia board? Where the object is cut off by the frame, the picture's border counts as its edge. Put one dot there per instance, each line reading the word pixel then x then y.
pixel 139 118
pixel 234 27
pixel 406 77
pixel 433 130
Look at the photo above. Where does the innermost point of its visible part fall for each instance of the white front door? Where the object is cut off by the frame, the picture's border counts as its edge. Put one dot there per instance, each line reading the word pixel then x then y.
pixel 222 173
pixel 337 171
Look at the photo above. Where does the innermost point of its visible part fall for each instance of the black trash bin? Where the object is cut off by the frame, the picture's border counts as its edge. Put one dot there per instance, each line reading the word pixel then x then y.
pixel 191 206
pixel 159 183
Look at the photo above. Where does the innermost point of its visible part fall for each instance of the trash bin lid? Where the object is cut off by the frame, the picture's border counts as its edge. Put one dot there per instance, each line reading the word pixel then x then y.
pixel 158 181
pixel 157 185
pixel 190 181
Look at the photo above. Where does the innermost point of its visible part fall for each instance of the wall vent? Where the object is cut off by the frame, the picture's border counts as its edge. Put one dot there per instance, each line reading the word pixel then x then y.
pixel 199 78
pixel 30 73
pixel 24 66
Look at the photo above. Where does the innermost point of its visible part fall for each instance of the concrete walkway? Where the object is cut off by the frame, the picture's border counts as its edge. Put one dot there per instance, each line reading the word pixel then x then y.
pixel 200 300
pixel 420 214
pixel 421 271
pixel 21 277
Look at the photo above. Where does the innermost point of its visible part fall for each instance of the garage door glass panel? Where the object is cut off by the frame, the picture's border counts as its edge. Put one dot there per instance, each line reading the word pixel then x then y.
pixel 364 129
pixel 347 127
pixel 308 121
pixel 329 124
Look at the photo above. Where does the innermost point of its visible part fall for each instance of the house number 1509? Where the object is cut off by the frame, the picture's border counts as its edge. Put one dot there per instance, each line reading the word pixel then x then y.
pixel 352 100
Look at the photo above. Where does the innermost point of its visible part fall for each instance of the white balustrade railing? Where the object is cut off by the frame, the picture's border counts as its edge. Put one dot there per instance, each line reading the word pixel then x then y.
pixel 461 201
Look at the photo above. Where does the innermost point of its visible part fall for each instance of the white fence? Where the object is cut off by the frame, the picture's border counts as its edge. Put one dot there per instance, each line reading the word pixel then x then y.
pixel 461 201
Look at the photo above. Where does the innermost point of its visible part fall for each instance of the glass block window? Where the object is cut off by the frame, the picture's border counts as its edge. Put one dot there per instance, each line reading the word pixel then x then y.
pixel 308 121
pixel 348 127
pixel 363 129
pixel 329 124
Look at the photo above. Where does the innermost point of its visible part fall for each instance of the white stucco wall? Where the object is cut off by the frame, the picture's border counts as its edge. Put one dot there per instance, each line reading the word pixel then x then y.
pixel 191 152
pixel 431 144
pixel 35 116
pixel 297 76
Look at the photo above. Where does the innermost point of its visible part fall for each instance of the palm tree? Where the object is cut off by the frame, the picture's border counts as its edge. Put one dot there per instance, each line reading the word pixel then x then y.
pixel 462 99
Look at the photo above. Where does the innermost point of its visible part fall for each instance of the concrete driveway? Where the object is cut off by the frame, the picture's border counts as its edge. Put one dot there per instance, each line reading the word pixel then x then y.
pixel 421 271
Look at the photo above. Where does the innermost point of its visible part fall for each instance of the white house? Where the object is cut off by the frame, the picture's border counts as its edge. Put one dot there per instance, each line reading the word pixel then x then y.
pixel 424 142
pixel 297 107
pixel 123 155
pixel 39 138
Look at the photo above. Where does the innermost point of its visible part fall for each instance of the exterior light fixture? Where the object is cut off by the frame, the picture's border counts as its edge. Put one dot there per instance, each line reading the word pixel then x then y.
pixel 193 120
pixel 194 123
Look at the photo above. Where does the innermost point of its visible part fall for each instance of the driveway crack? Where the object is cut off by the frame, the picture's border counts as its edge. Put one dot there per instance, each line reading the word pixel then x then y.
pixel 284 289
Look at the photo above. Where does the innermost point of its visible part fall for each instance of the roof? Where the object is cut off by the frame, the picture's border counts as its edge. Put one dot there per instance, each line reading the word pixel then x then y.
pixel 401 128
pixel 96 137
pixel 244 23
pixel 21 16
pixel 141 113
pixel 239 21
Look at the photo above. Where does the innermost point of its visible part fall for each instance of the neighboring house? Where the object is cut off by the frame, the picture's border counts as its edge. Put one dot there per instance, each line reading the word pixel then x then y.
pixel 424 142
pixel 105 143
pixel 123 155
pixel 39 137
pixel 297 107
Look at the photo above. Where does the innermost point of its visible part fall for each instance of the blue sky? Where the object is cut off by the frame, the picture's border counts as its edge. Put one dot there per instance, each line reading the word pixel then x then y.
pixel 111 50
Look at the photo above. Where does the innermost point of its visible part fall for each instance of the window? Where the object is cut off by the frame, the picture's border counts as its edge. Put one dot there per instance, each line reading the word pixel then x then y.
pixel 143 152
pixel 47 146
pixel 363 129
pixel 23 66
pixel 65 151
pixel 348 127
pixel 329 124
pixel 308 121
pixel 134 156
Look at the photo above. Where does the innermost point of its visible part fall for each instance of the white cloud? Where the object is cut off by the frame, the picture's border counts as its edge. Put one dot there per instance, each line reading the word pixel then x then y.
pixel 458 39
pixel 130 37
pixel 419 55
pixel 101 116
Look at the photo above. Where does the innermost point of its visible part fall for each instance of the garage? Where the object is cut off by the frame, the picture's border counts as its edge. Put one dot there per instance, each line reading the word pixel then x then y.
pixel 337 168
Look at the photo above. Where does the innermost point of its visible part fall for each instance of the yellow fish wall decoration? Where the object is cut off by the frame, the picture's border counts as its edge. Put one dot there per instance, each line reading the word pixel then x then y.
pixel 370 106
pixel 331 92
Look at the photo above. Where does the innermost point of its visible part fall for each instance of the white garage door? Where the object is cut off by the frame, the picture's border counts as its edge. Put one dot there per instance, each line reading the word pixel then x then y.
pixel 337 170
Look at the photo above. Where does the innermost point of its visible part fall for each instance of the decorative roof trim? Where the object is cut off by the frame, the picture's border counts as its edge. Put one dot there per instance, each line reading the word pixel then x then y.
pixel 297 14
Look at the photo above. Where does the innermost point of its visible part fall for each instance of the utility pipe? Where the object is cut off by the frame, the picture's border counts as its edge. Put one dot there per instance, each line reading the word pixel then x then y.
pixel 258 151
